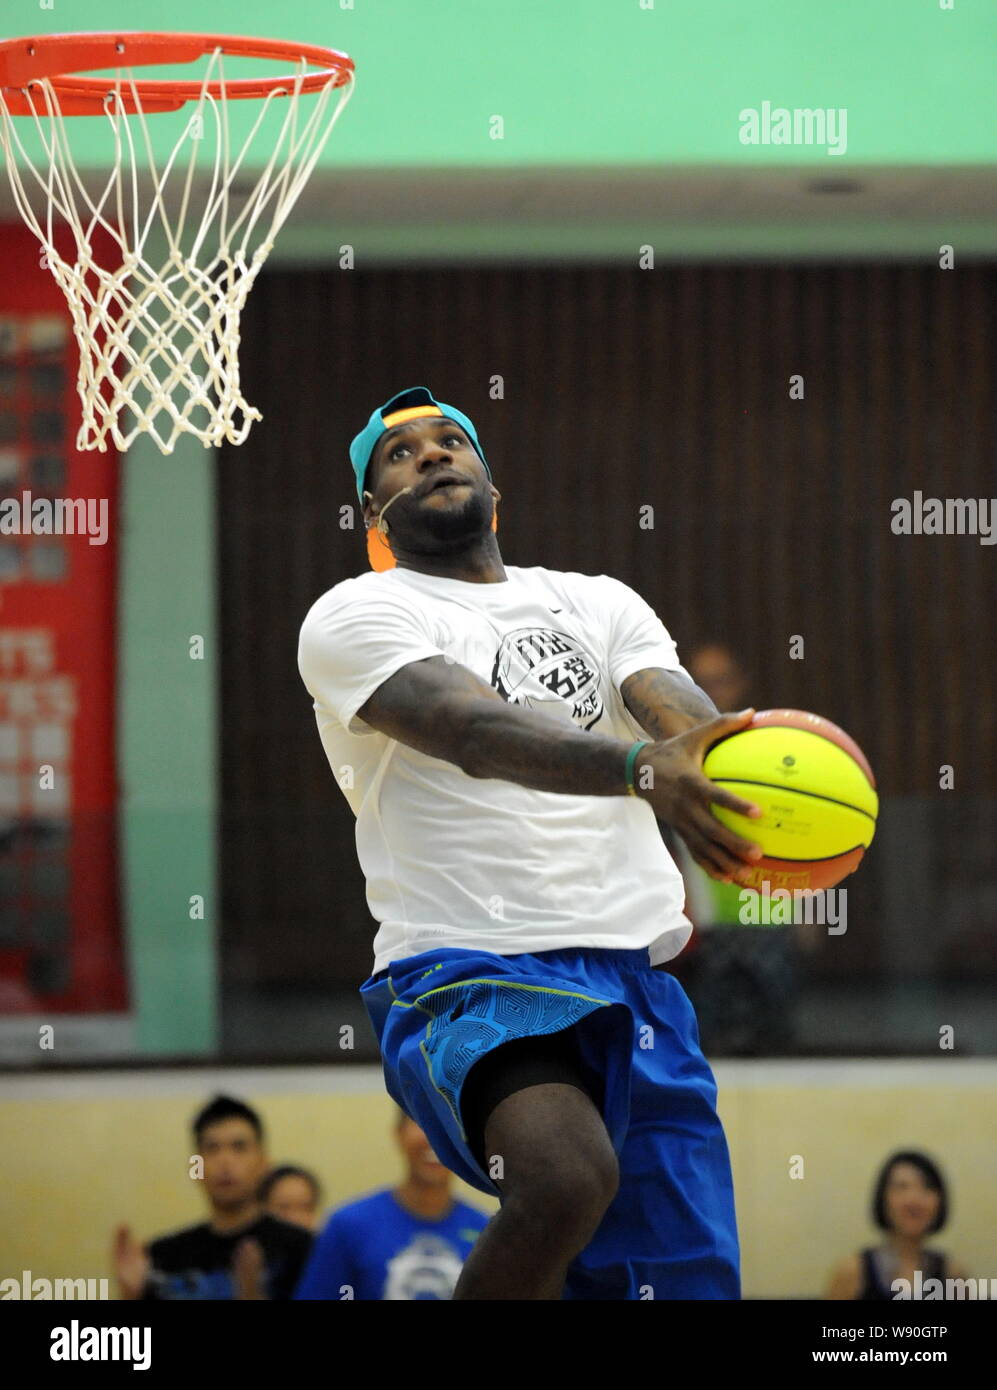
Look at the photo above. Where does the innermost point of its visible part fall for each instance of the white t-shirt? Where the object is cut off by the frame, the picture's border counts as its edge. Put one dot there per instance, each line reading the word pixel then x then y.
pixel 482 863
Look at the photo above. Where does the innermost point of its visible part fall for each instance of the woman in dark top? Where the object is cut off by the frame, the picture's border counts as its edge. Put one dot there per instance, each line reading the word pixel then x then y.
pixel 909 1203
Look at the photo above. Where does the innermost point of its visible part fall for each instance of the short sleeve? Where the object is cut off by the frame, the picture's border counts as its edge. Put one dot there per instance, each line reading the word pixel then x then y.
pixel 637 636
pixel 350 643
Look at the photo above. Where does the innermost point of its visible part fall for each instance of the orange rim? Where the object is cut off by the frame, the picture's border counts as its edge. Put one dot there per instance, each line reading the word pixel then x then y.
pixel 26 61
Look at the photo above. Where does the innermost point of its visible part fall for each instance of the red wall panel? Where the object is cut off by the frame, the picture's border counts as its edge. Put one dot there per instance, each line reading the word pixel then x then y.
pixel 60 930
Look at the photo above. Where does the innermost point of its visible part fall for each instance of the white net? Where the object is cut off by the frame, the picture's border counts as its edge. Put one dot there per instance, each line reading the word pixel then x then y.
pixel 159 329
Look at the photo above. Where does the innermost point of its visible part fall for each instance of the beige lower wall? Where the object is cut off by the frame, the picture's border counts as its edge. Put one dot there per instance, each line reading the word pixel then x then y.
pixel 80 1153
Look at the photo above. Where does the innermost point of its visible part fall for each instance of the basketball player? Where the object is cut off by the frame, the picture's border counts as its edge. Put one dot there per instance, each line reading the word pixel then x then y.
pixel 506 737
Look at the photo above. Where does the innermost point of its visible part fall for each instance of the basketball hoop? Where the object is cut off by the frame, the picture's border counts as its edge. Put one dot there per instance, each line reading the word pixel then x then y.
pixel 160 339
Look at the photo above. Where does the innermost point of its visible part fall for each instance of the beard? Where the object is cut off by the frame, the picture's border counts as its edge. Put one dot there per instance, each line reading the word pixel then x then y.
pixel 444 530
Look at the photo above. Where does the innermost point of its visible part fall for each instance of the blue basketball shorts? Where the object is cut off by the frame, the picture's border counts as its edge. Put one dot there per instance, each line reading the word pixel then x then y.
pixel 670 1232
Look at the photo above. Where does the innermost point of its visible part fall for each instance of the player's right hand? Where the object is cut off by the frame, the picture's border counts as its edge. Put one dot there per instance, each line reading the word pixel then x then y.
pixel 669 776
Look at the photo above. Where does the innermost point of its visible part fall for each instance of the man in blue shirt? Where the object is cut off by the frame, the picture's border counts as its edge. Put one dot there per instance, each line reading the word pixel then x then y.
pixel 405 1242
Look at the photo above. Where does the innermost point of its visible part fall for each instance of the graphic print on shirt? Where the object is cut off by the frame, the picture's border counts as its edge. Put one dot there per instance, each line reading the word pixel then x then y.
pixel 426 1268
pixel 534 665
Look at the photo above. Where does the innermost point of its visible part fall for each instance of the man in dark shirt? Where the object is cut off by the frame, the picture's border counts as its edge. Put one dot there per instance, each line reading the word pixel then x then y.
pixel 241 1252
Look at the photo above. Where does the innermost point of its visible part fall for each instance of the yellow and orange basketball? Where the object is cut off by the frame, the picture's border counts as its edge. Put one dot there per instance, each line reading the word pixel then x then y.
pixel 816 791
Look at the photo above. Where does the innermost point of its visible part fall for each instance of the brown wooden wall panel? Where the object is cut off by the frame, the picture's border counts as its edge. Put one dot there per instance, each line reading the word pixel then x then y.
pixel 626 388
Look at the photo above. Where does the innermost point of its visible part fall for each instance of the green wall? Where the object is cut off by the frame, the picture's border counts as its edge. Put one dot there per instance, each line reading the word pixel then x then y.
pixel 836 236
pixel 590 82
pixel 167 743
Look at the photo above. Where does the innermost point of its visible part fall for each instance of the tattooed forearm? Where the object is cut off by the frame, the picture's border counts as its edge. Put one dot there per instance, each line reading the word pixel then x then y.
pixel 665 703
pixel 446 711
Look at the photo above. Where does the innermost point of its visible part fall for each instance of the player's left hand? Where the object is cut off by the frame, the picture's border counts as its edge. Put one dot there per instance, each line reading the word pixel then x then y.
pixel 680 794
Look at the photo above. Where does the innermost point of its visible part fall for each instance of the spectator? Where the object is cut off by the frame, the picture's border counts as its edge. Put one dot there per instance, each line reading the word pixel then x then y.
pixel 292 1194
pixel 909 1203
pixel 399 1243
pixel 241 1252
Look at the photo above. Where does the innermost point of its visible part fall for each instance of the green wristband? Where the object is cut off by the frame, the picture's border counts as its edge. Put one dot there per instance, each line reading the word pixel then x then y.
pixel 631 759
